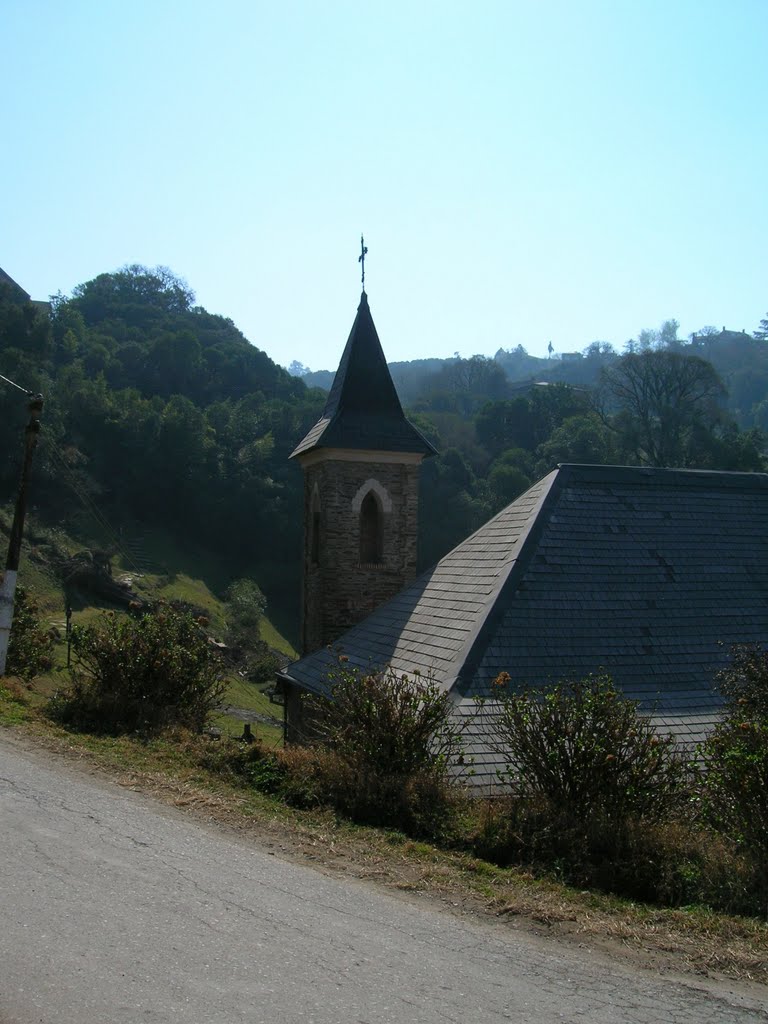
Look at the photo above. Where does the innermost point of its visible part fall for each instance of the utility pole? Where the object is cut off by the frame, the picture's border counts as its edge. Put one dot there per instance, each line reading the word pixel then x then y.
pixel 8 585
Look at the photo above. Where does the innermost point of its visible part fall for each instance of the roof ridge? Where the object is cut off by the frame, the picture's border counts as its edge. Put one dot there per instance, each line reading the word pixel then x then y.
pixel 673 474
pixel 471 654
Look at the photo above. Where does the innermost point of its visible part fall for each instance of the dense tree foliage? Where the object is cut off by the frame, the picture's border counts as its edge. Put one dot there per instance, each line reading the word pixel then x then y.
pixel 664 400
pixel 161 413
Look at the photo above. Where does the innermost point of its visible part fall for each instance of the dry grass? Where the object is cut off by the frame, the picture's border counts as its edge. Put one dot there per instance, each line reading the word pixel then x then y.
pixel 692 940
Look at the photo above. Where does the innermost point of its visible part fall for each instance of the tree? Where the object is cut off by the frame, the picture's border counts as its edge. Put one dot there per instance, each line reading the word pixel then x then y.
pixel 509 477
pixel 762 332
pixel 584 439
pixel 298 369
pixel 451 506
pixel 245 607
pixel 651 338
pixel 139 294
pixel 465 384
pixel 661 396
pixel 528 420
pixel 600 350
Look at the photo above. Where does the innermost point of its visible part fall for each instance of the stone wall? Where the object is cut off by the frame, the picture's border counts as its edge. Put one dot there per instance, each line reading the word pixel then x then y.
pixel 339 591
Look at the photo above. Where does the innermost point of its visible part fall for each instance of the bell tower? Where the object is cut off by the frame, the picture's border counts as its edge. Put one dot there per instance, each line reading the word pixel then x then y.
pixel 361 492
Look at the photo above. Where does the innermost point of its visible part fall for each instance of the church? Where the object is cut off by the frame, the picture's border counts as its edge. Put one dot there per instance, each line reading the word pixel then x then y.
pixel 650 575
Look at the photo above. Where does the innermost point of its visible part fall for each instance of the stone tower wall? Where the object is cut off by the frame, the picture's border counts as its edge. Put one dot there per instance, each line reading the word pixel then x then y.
pixel 339 591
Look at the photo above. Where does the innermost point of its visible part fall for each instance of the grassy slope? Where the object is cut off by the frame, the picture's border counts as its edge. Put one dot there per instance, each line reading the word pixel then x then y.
pixel 159 568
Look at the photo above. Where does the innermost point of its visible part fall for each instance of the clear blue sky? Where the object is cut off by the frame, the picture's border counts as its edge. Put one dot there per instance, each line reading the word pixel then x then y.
pixel 523 171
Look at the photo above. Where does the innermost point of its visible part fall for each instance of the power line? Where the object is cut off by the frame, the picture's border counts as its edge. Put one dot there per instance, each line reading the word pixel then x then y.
pixel 15 385
pixel 89 505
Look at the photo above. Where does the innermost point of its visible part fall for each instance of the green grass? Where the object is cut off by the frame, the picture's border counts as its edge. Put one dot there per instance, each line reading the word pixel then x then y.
pixel 14 707
pixel 242 694
pixel 184 572
pixel 276 640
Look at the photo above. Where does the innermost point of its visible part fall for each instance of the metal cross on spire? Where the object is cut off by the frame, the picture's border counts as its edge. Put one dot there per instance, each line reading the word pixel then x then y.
pixel 361 258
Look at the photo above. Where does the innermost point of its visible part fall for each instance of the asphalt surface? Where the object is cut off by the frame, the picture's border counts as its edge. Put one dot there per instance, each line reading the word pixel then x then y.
pixel 114 908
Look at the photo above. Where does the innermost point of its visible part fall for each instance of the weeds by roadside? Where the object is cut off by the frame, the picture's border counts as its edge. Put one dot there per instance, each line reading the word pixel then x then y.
pixel 211 778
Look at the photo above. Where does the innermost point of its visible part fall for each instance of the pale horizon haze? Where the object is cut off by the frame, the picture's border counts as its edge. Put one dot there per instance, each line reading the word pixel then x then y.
pixel 522 171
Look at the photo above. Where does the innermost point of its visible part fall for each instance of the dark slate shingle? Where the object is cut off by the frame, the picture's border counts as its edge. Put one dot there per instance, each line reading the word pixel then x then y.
pixel 666 572
pixel 362 410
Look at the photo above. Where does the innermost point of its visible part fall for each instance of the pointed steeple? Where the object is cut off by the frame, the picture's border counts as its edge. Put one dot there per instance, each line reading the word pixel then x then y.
pixel 363 410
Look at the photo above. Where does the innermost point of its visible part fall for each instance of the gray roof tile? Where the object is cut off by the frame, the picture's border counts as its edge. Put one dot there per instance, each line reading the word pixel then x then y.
pixel 667 571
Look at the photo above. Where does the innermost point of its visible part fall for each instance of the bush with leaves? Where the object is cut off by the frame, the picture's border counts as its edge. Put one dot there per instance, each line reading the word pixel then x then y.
pixel 141 675
pixel 29 647
pixel 263 664
pixel 385 722
pixel 735 757
pixel 395 738
pixel 586 752
pixel 744 683
pixel 246 605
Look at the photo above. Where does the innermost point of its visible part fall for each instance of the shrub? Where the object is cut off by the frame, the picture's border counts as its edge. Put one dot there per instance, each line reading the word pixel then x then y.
pixel 248 763
pixel 586 753
pixel 262 664
pixel 141 675
pixel 744 684
pixel 386 723
pixel 734 790
pixel 246 605
pixel 734 758
pixel 671 863
pixel 29 647
pixel 387 742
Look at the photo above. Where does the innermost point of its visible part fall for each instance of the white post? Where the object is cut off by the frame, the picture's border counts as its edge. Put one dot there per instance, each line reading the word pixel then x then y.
pixel 8 585
pixel 7 592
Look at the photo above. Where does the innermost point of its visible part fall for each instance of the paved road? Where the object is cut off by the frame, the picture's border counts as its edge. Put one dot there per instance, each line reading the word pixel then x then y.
pixel 116 909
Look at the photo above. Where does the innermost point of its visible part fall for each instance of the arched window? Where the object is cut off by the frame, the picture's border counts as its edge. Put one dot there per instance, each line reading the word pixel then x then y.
pixel 371 530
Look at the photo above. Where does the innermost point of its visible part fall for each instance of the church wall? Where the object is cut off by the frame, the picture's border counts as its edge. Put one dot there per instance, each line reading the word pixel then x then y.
pixel 338 590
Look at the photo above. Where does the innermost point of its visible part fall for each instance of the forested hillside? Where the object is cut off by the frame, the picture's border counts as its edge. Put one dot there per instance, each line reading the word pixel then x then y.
pixel 159 413
pixel 501 423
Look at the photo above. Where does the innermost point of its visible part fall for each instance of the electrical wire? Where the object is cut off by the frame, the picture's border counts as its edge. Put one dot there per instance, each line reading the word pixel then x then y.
pixel 7 380
pixel 90 506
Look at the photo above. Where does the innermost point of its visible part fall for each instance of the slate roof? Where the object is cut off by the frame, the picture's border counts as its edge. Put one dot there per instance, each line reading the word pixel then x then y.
pixel 648 574
pixel 363 410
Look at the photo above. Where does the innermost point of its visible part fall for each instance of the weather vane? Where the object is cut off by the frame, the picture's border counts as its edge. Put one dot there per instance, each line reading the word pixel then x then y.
pixel 361 257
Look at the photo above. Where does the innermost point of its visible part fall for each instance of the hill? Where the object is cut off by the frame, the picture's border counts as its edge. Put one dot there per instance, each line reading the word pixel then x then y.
pixel 741 360
pixel 163 420
pixel 159 413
